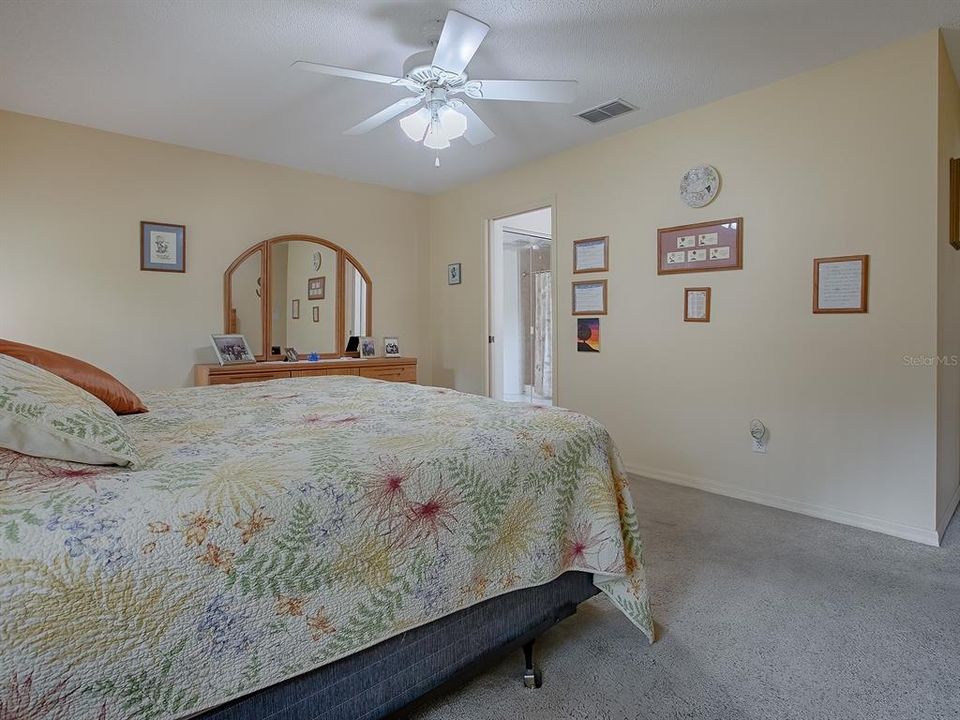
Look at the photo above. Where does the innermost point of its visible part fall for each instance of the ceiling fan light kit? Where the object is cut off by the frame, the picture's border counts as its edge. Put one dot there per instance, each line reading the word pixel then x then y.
pixel 435 81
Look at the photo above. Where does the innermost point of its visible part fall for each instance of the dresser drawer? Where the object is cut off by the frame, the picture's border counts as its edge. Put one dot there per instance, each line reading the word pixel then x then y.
pixel 233 379
pixel 397 373
pixel 314 372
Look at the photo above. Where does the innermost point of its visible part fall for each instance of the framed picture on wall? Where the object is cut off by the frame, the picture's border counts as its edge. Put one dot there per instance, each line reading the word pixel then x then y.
pixel 316 314
pixel 588 334
pixel 591 255
pixel 700 247
pixel 163 247
pixel 453 274
pixel 317 288
pixel 840 284
pixel 295 309
pixel 590 297
pixel 696 304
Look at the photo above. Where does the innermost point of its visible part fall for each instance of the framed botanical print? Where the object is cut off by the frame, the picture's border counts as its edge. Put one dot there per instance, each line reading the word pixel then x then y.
pixel 163 247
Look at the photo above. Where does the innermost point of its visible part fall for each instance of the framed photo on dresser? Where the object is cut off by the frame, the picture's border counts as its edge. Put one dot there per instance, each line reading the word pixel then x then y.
pixel 232 349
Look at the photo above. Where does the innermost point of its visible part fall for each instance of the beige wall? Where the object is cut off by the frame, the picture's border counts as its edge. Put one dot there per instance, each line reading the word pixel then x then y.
pixel 832 162
pixel 948 299
pixel 72 198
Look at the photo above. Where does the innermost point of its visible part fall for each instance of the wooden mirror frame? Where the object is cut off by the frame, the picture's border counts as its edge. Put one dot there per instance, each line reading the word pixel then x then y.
pixel 266 315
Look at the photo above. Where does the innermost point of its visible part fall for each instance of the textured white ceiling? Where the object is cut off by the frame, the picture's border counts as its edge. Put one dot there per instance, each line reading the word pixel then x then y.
pixel 214 74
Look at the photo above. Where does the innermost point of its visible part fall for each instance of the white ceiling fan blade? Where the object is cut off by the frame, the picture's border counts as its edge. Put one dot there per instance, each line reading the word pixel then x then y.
pixel 345 72
pixel 477 130
pixel 459 40
pixel 375 121
pixel 555 91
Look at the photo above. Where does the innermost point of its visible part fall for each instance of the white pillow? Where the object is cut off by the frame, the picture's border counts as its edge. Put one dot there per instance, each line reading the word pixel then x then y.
pixel 42 414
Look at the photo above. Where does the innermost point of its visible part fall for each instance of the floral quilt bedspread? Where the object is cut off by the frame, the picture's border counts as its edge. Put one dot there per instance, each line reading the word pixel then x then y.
pixel 275 527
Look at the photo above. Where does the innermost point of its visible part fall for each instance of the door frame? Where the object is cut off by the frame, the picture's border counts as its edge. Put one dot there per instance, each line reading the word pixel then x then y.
pixel 488 221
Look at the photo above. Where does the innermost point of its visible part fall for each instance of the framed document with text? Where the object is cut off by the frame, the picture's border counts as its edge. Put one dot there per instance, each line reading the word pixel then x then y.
pixel 591 255
pixel 840 284
pixel 696 304
pixel 590 297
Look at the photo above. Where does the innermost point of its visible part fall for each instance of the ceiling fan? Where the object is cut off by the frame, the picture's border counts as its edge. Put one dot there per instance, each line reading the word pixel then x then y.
pixel 437 81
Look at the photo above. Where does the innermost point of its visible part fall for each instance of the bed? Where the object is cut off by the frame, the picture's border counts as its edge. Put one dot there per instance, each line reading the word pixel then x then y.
pixel 287 549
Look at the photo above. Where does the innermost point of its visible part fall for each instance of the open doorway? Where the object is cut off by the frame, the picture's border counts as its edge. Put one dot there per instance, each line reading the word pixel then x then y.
pixel 521 308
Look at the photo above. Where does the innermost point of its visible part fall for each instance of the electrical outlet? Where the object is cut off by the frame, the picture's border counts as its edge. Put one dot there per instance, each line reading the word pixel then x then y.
pixel 759 446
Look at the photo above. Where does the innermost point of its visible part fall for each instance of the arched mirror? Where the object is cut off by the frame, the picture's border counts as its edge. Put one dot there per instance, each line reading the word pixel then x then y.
pixel 297 291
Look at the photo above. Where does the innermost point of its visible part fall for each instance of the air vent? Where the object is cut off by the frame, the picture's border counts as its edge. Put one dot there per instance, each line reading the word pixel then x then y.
pixel 606 111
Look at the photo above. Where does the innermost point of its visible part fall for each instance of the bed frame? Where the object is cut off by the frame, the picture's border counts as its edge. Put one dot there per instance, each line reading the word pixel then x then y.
pixel 391 678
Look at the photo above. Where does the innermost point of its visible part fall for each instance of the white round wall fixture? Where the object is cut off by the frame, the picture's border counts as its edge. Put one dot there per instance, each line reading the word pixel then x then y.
pixel 317 261
pixel 700 185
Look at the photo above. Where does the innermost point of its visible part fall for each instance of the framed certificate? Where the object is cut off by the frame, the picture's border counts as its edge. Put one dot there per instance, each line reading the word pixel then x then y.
pixel 591 255
pixel 696 304
pixel 840 284
pixel 590 297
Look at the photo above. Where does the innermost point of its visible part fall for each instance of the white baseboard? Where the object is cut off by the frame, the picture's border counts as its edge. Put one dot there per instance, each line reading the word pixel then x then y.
pixel 907 532
pixel 948 513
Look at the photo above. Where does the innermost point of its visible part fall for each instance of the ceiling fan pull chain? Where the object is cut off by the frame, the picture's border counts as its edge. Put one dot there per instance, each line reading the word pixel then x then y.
pixel 436 163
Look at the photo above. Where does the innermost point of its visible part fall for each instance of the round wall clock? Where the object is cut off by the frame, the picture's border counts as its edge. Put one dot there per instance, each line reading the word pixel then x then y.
pixel 700 185
pixel 317 259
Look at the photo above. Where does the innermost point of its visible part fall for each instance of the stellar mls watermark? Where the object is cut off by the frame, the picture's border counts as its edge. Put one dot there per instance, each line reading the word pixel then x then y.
pixel 931 360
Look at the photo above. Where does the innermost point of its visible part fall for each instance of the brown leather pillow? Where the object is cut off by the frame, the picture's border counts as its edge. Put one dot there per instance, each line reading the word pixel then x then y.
pixel 117 396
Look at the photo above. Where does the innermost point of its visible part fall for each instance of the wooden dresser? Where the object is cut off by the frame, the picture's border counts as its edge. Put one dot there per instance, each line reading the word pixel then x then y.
pixel 396 369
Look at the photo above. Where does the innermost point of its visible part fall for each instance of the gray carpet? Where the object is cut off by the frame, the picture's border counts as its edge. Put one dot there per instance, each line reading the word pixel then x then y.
pixel 763 615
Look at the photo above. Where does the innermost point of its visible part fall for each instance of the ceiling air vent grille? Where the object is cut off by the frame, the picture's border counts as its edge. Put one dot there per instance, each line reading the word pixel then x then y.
pixel 606 111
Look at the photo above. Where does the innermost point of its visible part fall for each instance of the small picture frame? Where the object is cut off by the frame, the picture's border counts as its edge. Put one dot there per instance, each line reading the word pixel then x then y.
pixel 317 288
pixel 295 309
pixel 291 354
pixel 391 347
pixel 840 284
pixel 368 347
pixel 591 255
pixel 696 304
pixel 454 275
pixel 590 297
pixel 316 313
pixel 163 247
pixel 588 334
pixel 232 349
